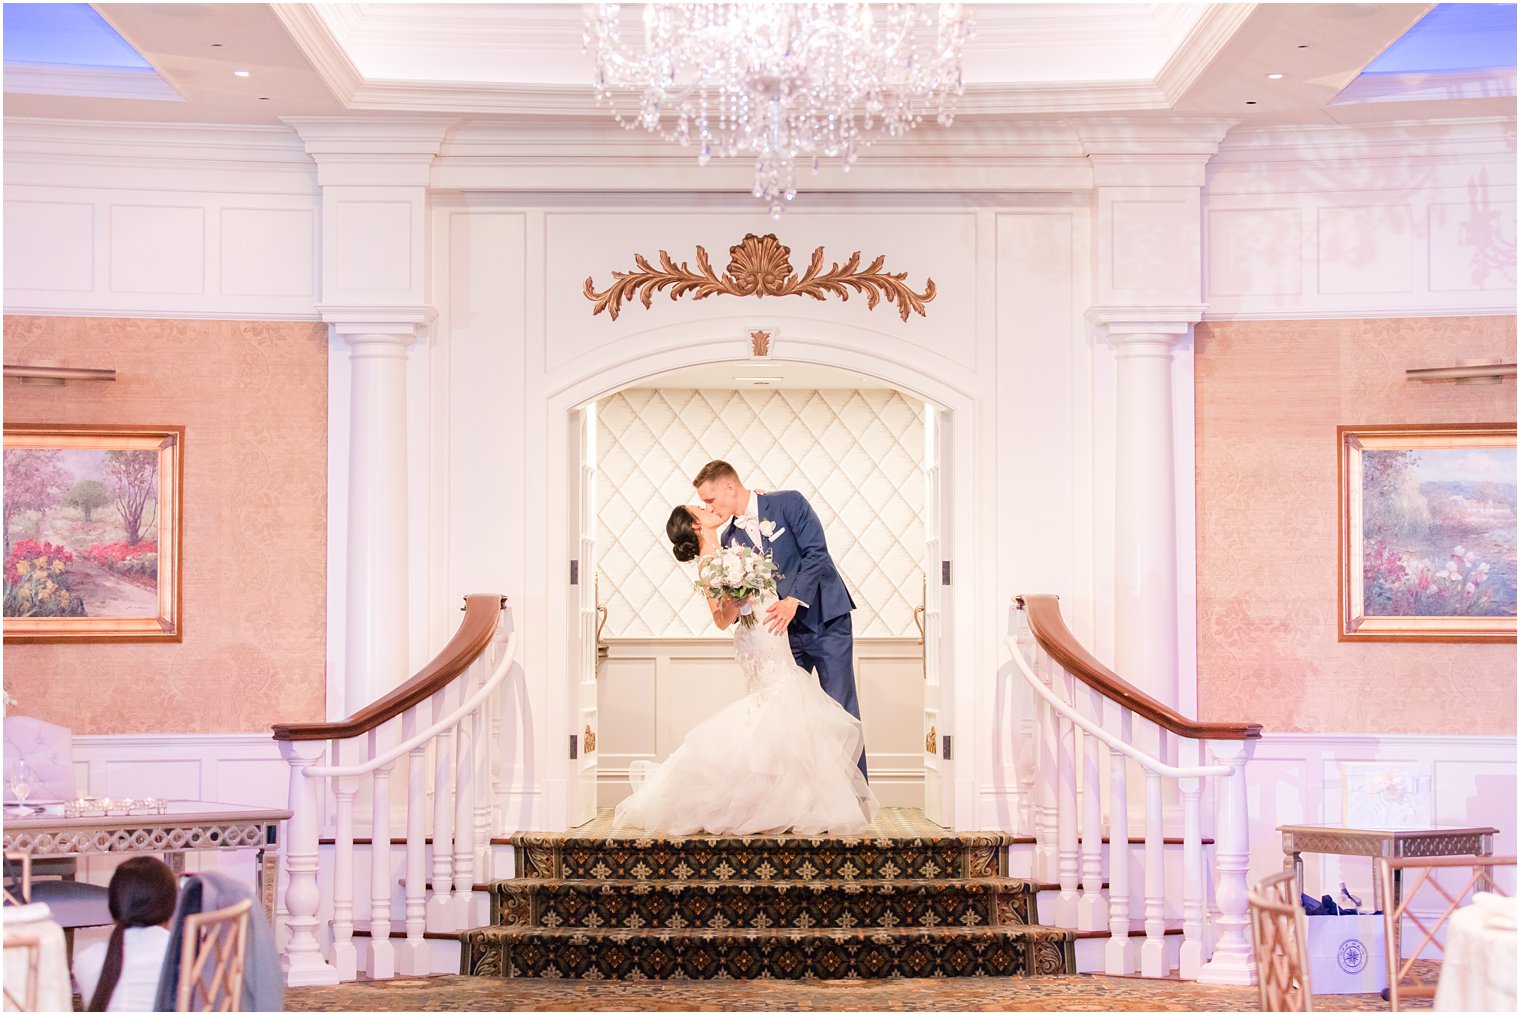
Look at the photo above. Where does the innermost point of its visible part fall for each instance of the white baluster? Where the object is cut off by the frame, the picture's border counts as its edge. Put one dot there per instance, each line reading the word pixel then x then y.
pixel 304 963
pixel 1153 952
pixel 1047 848
pixel 1118 955
pixel 1092 911
pixel 1233 960
pixel 345 958
pixel 1066 814
pixel 464 823
pixel 480 719
pixel 440 907
pixel 382 953
pixel 414 959
pixel 1028 750
pixel 1190 959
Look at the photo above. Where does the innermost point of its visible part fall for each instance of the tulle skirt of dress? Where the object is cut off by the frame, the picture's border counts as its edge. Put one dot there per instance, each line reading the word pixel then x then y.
pixel 780 759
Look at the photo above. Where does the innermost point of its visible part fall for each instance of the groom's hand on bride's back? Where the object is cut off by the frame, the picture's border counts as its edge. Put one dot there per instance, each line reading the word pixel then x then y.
pixel 779 617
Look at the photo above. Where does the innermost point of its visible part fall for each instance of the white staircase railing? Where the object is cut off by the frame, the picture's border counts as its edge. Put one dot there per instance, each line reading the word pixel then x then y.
pixel 442 722
pixel 1083 711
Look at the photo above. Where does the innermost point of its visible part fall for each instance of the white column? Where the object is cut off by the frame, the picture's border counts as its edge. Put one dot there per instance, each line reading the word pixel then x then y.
pixel 376 616
pixel 1145 536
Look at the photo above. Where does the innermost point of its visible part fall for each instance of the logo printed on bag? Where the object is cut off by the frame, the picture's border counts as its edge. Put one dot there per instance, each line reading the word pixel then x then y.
pixel 1352 956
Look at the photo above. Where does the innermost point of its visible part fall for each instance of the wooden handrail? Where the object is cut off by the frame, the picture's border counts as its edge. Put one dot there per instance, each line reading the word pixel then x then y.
pixel 482 612
pixel 1051 633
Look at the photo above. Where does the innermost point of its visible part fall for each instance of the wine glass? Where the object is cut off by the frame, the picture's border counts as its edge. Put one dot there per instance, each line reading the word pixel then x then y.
pixel 21 784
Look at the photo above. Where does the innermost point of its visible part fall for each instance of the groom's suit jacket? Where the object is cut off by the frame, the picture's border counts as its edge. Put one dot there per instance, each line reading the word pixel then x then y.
pixel 802 557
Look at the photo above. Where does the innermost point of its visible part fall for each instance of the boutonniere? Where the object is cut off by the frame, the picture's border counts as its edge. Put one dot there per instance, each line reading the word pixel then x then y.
pixel 769 531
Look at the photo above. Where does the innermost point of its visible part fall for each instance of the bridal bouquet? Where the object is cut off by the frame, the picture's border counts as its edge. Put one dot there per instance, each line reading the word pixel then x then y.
pixel 737 572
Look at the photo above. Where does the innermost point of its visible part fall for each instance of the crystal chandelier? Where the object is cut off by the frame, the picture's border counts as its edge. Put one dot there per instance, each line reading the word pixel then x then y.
pixel 782 81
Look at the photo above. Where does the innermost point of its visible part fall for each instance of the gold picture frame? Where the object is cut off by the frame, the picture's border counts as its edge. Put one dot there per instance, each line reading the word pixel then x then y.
pixel 1426 532
pixel 93 547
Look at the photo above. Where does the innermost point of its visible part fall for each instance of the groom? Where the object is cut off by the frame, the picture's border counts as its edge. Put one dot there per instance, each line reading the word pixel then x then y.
pixel 814 608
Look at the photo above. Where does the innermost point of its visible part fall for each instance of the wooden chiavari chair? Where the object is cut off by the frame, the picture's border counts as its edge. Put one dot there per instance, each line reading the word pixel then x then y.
pixel 18 879
pixel 213 959
pixel 1281 938
pixel 1399 895
pixel 30 946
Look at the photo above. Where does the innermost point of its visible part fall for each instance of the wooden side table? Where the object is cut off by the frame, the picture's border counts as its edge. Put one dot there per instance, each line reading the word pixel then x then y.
pixel 1439 840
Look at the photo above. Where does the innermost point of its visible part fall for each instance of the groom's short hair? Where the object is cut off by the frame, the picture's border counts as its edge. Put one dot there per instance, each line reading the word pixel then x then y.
pixel 715 470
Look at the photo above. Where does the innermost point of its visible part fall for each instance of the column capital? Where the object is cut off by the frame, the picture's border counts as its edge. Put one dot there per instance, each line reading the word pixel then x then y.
pixel 406 323
pixel 1148 325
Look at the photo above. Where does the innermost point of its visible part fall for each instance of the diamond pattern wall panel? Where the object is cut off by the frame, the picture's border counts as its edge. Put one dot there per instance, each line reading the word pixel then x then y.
pixel 856 455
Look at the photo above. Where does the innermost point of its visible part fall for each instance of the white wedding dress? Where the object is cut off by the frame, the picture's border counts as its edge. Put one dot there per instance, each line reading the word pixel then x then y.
pixel 782 758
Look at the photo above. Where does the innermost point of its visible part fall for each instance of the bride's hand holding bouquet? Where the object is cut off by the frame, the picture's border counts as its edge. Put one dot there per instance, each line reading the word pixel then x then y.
pixel 737 573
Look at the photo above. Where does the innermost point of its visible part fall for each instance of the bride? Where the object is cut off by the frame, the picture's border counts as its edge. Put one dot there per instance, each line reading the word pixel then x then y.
pixel 782 758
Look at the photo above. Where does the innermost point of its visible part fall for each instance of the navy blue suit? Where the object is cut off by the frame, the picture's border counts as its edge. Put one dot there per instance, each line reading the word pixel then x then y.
pixel 821 634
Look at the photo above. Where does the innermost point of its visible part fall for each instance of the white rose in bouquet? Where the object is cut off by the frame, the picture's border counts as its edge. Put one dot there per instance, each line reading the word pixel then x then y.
pixel 737 572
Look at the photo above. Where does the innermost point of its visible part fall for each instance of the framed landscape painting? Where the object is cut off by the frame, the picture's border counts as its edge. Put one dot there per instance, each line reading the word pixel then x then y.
pixel 92 533
pixel 1427 532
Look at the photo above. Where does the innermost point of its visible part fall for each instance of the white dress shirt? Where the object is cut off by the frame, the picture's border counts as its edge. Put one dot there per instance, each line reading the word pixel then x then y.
pixel 142 958
pixel 751 513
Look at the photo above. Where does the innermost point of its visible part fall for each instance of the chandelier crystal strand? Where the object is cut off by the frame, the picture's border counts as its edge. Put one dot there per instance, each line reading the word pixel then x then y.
pixel 781 81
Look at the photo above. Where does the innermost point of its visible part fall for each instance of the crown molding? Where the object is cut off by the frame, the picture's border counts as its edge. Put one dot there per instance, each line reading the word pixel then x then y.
pixel 89 82
pixel 315 38
pixel 1454 138
pixel 1199 48
pixel 353 318
pixel 1161 318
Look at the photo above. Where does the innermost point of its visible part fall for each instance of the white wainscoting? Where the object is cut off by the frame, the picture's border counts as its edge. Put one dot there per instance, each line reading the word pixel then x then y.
pixel 1298 779
pixel 172 220
pixel 654 690
pixel 239 768
pixel 1374 221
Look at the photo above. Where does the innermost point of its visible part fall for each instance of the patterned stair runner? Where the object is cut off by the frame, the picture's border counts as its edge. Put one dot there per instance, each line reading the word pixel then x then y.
pixel 907 898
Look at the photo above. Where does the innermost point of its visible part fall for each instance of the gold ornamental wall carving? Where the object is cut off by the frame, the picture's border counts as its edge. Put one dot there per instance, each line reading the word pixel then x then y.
pixel 759 266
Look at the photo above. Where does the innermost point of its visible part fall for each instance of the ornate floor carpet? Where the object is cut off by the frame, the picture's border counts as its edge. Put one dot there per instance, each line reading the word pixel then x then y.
pixel 1046 993
pixel 905 899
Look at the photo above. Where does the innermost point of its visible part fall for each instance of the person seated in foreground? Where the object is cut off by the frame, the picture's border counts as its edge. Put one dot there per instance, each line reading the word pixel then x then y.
pixel 122 974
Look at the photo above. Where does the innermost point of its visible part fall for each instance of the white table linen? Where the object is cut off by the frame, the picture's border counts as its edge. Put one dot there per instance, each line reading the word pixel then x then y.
pixel 1478 967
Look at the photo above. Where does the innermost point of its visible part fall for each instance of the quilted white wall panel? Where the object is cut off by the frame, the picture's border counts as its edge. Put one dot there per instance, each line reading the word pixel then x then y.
pixel 856 456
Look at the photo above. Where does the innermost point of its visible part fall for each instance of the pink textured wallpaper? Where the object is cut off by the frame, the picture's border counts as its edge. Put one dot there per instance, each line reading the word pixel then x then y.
pixel 1269 397
pixel 252 397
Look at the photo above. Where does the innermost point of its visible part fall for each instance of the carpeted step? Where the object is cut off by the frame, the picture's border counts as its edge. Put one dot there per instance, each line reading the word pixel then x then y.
pixel 763 905
pixel 780 954
pixel 755 858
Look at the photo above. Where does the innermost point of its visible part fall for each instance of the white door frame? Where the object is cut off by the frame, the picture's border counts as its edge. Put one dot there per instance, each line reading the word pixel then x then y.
pixel 879 354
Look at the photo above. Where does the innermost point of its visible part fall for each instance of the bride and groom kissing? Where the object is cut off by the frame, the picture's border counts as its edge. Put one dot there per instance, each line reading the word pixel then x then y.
pixel 790 754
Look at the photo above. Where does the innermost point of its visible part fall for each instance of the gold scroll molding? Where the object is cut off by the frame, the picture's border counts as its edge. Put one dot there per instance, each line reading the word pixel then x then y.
pixel 759 266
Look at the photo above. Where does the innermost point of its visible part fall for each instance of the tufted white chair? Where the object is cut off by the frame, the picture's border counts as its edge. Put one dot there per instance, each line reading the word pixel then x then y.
pixel 49 750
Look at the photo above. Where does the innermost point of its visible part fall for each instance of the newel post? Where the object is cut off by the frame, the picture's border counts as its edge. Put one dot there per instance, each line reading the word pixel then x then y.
pixel 1234 961
pixel 305 965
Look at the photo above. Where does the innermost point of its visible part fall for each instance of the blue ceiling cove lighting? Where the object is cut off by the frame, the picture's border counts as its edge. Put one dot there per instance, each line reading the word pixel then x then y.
pixel 1453 37
pixel 66 35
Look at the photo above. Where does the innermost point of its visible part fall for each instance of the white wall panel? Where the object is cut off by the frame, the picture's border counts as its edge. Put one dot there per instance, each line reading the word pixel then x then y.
pixel 1486 230
pixel 1365 250
pixel 652 691
pixel 1255 251
pixel 1400 220
pixel 1299 779
pixel 158 249
pixel 267 252
pixel 50 246
pixel 377 254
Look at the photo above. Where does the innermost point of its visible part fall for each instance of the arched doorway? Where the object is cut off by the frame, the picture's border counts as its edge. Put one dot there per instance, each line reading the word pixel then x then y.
pixel 572 704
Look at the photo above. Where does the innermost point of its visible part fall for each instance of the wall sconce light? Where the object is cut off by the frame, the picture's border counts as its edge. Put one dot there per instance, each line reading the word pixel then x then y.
pixel 1466 372
pixel 57 375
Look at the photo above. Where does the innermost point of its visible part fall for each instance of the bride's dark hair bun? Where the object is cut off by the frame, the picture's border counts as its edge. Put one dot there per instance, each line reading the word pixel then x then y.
pixel 682 530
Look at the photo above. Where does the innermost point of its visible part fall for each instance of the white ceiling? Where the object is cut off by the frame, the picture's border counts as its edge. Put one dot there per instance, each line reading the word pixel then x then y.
pixel 525 61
